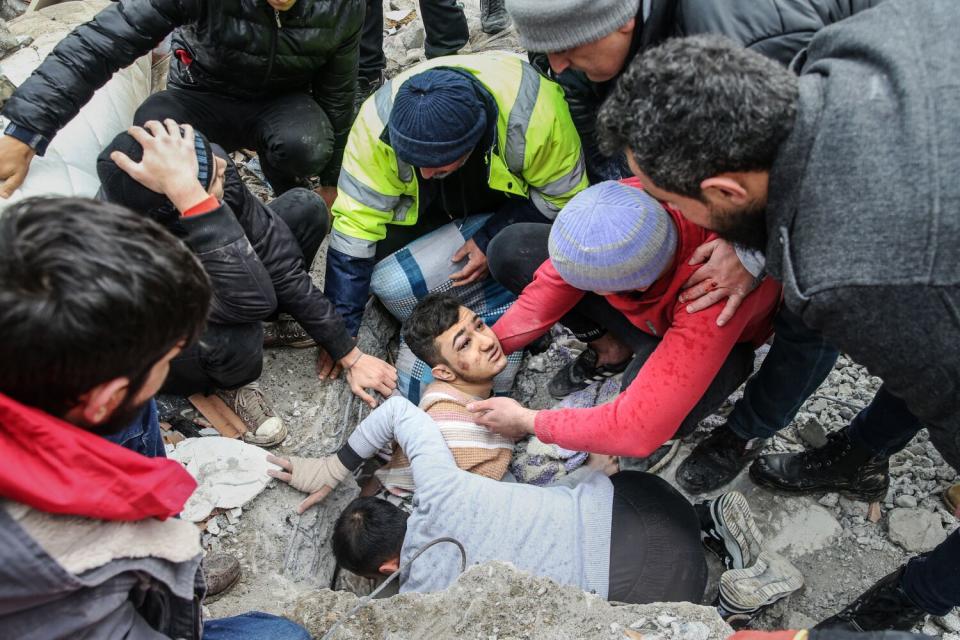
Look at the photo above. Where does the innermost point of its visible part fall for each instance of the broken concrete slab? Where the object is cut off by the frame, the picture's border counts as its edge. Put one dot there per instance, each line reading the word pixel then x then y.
pixel 229 473
pixel 807 528
pixel 495 600
pixel 916 530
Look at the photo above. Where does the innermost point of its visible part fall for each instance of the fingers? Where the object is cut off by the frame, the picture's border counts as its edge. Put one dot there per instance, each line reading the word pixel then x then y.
pixel 280 475
pixel 698 276
pixel 458 274
pixel 283 463
pixel 460 254
pixel 476 275
pixel 325 365
pixel 188 132
pixel 705 301
pixel 733 302
pixel 702 289
pixel 171 127
pixel 13 182
pixel 141 135
pixel 313 499
pixel 361 393
pixel 154 127
pixel 480 406
pixel 703 252
pixel 128 166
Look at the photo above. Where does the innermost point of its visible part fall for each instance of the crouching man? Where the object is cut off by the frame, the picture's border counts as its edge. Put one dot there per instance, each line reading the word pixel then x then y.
pixel 95 303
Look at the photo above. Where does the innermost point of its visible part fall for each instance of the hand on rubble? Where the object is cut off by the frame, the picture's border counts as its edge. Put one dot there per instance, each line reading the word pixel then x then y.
pixel 476 267
pixel 327 367
pixel 315 476
pixel 504 416
pixel 368 372
pixel 15 158
pixel 169 164
pixel 722 277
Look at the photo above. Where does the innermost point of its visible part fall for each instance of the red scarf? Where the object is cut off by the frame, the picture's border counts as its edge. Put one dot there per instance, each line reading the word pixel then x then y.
pixel 56 467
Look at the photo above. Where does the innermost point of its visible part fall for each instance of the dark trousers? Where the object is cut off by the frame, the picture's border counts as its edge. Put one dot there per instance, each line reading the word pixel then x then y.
pixel 444 24
pixel 655 549
pixel 228 356
pixel 291 133
pixel 516 253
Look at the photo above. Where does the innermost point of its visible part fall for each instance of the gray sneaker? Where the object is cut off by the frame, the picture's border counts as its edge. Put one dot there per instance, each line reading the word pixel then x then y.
pixel 286 332
pixel 264 428
pixel 745 591
pixel 730 530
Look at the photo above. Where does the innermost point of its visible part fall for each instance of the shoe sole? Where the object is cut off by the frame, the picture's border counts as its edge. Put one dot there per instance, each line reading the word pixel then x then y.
pixel 737 528
pixel 846 493
pixel 743 591
pixel 213 598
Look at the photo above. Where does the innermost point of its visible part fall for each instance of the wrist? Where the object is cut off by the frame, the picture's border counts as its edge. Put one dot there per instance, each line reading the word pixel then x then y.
pixel 530 422
pixel 188 196
pixel 349 360
pixel 34 143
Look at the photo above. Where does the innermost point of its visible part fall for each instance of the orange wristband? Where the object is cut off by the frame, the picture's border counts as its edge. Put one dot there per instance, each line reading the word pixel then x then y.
pixel 204 206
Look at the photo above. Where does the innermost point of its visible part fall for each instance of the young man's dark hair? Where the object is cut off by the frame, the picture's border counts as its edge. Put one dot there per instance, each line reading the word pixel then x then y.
pixel 76 310
pixel 432 316
pixel 368 534
pixel 674 136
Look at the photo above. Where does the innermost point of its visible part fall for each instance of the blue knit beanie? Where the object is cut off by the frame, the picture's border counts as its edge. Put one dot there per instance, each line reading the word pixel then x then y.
pixel 612 237
pixel 438 116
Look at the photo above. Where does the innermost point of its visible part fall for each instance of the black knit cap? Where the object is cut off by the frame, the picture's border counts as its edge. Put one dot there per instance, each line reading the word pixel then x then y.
pixel 118 187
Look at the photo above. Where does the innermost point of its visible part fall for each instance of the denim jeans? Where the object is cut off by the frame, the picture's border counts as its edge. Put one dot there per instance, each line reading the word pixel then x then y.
pixel 885 426
pixel 798 361
pixel 143 434
pixel 253 626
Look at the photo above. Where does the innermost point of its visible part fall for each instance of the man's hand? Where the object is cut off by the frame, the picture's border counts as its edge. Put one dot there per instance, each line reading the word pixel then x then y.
pixel 505 416
pixel 369 372
pixel 15 158
pixel 327 367
pixel 169 165
pixel 476 267
pixel 316 476
pixel 723 276
pixel 329 195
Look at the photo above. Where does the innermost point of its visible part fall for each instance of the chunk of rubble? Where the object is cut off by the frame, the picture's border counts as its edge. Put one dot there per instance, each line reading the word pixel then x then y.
pixel 495 599
pixel 229 473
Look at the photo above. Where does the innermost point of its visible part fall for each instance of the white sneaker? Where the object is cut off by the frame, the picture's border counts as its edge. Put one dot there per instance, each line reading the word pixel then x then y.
pixel 264 428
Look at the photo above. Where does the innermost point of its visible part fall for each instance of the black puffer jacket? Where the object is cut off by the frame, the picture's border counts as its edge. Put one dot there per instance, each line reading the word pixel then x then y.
pixel 778 29
pixel 240 48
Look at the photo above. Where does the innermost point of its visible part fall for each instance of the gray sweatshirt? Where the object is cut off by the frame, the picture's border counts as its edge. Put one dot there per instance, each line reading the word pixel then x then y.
pixel 557 532
pixel 864 208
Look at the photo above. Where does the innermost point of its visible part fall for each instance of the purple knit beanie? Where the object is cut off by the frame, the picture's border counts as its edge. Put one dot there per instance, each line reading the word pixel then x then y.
pixel 612 237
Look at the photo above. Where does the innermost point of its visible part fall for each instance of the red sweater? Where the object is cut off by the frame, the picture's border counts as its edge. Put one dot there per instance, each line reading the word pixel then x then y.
pixel 675 376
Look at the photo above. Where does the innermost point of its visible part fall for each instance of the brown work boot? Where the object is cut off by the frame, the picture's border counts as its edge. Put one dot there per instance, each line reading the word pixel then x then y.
pixel 221 572
pixel 951 498
pixel 264 427
pixel 286 332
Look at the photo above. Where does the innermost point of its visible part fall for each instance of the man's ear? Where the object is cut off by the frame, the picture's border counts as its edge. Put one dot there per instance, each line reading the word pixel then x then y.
pixel 443 372
pixel 390 566
pixel 725 188
pixel 99 403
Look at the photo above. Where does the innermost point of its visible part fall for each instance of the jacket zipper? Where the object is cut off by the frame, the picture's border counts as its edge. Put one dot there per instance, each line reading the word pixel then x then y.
pixel 274 34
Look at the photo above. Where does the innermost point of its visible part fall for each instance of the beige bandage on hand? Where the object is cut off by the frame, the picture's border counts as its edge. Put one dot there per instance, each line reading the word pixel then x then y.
pixel 312 474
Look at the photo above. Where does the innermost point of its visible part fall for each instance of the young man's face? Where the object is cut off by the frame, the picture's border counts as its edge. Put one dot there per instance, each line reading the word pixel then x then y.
pixel 600 60
pixel 439 173
pixel 470 350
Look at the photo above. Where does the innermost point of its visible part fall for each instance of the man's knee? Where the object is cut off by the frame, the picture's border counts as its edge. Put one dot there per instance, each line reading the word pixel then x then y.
pixel 513 251
pixel 233 356
pixel 304 146
pixel 304 211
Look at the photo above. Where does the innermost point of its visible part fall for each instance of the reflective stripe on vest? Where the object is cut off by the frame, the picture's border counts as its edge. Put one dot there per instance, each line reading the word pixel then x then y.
pixel 384 102
pixel 353 247
pixel 364 194
pixel 565 184
pixel 520 115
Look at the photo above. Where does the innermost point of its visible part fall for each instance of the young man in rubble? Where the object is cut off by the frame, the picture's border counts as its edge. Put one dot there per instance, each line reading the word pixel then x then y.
pixel 95 303
pixel 447 139
pixel 586 45
pixel 799 164
pixel 276 76
pixel 257 257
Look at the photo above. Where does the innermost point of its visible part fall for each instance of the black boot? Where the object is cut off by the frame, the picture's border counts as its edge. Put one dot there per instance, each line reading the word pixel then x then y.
pixel 884 607
pixel 717 460
pixel 840 465
pixel 493 16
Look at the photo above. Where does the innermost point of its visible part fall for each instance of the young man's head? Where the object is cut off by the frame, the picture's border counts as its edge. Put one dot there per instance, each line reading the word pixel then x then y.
pixel 368 537
pixel 454 341
pixel 592 36
pixel 701 120
pixel 438 118
pixel 94 303
pixel 612 238
pixel 119 187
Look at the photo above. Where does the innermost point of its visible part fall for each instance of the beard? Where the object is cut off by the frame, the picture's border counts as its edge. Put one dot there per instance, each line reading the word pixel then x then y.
pixel 121 418
pixel 746 227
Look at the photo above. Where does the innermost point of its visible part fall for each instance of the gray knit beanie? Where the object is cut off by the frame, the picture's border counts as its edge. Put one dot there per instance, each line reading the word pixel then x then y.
pixel 545 26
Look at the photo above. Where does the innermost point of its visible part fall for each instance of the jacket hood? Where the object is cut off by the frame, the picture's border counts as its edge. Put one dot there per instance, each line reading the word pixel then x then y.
pixel 56 467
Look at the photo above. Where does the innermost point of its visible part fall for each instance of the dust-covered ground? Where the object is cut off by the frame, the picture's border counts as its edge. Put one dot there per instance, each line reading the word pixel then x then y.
pixel 287 558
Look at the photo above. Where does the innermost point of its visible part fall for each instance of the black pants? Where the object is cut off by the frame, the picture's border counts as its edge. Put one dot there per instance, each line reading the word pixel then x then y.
pixel 655 549
pixel 291 133
pixel 444 24
pixel 228 356
pixel 518 251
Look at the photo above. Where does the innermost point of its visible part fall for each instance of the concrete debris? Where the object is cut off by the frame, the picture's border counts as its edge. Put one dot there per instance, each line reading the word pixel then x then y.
pixel 497 600
pixel 916 530
pixel 229 473
pixel 804 530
